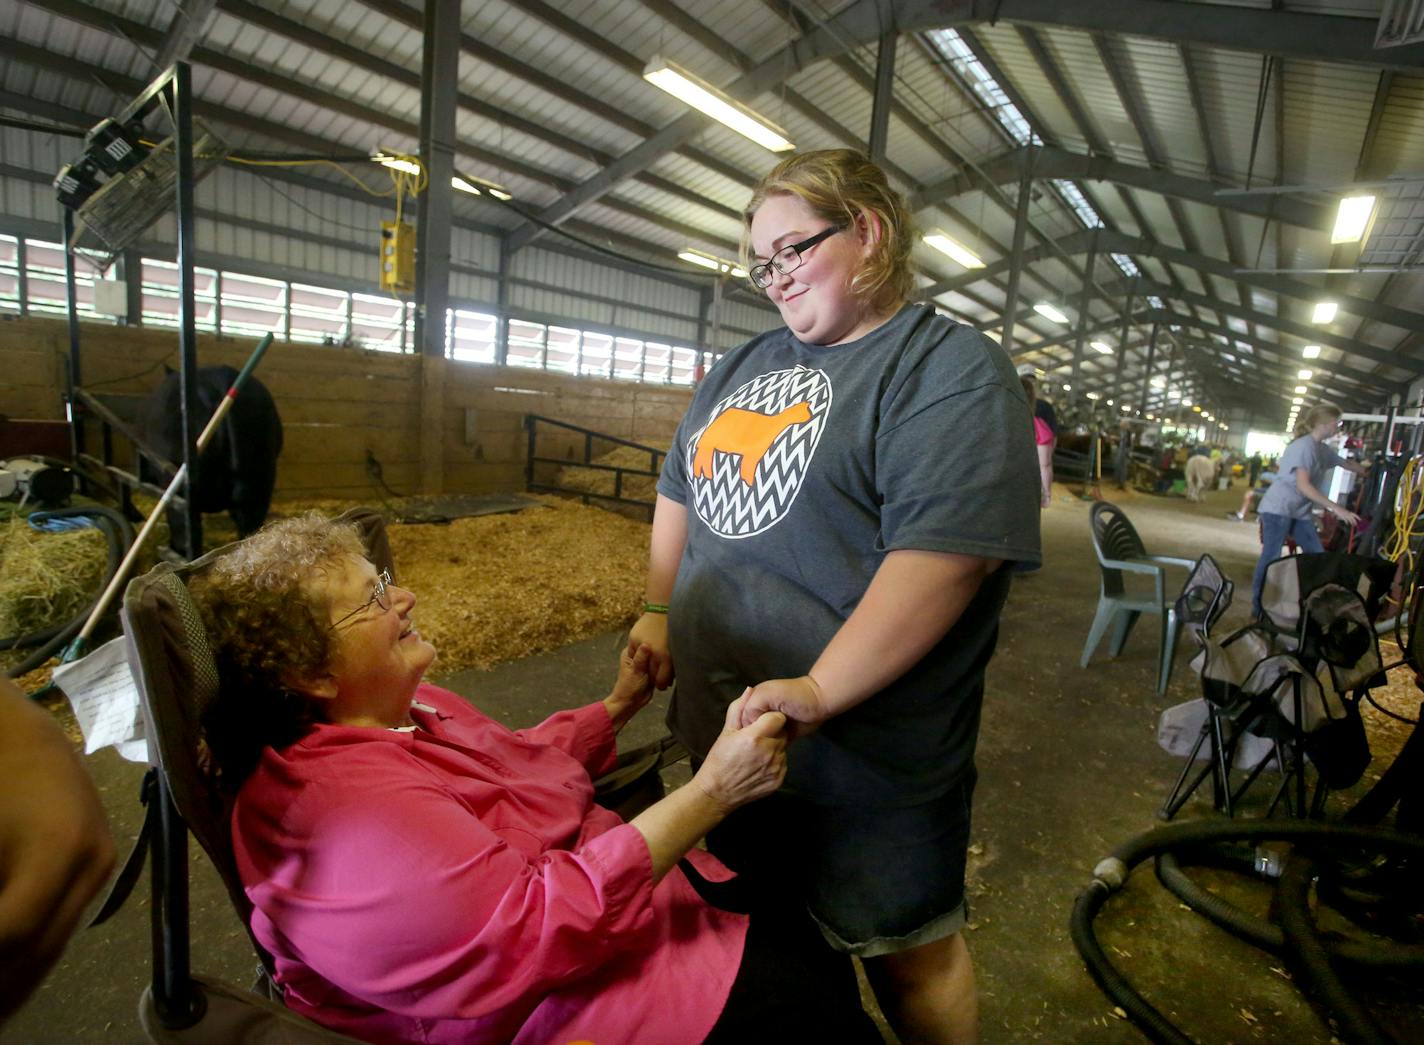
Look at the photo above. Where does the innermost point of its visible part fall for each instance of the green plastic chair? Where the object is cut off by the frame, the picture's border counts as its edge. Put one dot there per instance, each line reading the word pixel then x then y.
pixel 1120 552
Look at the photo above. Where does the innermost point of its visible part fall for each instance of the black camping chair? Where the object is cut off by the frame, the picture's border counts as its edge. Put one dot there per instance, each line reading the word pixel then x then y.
pixel 1121 553
pixel 177 679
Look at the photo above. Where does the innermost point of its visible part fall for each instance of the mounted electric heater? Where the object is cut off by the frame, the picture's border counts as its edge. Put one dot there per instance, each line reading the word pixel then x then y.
pixel 116 214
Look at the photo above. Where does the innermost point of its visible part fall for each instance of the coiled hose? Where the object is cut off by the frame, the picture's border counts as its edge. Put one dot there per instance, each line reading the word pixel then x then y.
pixel 1112 873
pixel 120 536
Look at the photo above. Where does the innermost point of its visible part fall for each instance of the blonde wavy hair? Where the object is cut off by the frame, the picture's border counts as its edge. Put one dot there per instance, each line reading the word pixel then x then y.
pixel 1315 415
pixel 841 186
pixel 268 622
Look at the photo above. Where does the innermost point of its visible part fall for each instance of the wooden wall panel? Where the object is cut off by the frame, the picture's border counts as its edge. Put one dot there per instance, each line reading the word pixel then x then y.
pixel 339 403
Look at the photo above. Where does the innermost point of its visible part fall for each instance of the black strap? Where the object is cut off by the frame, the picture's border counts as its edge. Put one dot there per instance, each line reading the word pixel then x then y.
pixel 133 865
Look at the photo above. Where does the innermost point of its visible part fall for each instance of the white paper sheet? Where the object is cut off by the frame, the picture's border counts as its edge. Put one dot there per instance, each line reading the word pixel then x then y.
pixel 105 700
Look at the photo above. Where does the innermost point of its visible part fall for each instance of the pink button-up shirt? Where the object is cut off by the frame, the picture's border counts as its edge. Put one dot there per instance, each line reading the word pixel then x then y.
pixel 456 883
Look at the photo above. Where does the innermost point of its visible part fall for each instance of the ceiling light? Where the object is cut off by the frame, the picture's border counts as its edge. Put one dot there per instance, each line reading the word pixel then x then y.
pixel 1352 218
pixel 1325 312
pixel 477 184
pixel 1304 375
pixel 711 261
pixel 1297 401
pixel 1093 396
pixel 464 186
pixel 1300 389
pixel 1124 408
pixel 1048 311
pixel 1158 382
pixel 1067 388
pixel 705 98
pixel 1101 347
pixel 1110 402
pixel 947 244
pixel 396 162
pixel 1196 410
pixel 1310 351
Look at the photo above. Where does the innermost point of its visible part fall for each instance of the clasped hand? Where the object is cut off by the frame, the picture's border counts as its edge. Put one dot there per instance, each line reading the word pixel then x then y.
pixel 634 687
pixel 799 699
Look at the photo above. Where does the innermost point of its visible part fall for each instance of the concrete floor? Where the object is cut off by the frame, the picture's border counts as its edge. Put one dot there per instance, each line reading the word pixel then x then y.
pixel 1069 768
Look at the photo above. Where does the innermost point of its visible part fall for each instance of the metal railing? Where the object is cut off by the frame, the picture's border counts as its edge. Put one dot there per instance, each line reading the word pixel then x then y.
pixel 535 424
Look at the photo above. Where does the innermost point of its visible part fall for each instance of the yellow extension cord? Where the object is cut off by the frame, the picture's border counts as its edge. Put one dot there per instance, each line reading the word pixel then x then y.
pixel 1410 498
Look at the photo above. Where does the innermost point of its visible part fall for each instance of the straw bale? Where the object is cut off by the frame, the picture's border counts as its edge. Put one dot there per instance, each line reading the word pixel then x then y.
pixel 596 480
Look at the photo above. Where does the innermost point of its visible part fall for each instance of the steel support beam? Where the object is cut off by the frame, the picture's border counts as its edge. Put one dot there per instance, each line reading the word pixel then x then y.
pixel 1016 260
pixel 190 21
pixel 884 96
pixel 1083 300
pixel 440 71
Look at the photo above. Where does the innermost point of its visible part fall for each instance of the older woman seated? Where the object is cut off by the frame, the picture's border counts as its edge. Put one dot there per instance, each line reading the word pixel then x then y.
pixel 419 873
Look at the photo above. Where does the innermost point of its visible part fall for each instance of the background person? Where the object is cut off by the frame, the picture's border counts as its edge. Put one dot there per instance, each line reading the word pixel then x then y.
pixel 1286 507
pixel 1044 432
pixel 55 848
pixel 420 873
pixel 847 571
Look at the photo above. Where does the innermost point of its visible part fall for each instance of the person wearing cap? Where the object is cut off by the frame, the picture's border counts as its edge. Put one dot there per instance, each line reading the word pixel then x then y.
pixel 1045 431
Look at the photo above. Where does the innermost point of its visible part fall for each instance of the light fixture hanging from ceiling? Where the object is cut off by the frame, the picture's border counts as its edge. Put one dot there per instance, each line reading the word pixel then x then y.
pixel 708 100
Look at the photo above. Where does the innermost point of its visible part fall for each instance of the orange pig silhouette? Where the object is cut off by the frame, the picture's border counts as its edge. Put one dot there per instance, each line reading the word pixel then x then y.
pixel 746 433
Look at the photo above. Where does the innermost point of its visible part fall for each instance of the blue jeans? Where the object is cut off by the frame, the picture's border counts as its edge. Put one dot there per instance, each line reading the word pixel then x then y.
pixel 1274 531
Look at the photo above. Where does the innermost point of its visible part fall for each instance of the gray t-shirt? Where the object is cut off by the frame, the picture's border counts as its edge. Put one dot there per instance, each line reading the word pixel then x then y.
pixel 801 466
pixel 1284 496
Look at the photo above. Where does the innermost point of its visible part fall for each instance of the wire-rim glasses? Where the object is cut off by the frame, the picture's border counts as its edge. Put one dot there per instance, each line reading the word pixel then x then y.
pixel 788 258
pixel 379 598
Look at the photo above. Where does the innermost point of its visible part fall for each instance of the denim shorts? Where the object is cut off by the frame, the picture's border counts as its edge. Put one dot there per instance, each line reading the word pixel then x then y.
pixel 876 880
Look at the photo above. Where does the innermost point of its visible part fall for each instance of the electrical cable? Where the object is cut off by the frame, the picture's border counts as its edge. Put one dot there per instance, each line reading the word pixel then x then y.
pixel 1111 874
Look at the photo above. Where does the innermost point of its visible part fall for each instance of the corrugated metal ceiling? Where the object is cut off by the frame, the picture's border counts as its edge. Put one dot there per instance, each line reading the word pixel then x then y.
pixel 568 75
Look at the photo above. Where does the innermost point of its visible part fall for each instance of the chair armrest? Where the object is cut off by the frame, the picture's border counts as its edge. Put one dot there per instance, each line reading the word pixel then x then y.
pixel 1132 566
pixel 1172 560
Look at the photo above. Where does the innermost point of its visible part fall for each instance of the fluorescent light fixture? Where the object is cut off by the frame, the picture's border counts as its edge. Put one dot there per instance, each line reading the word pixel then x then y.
pixel 1101 346
pixel 1067 388
pixel 1300 389
pixel 1048 311
pixel 711 261
pixel 1304 375
pixel 1325 312
pixel 484 185
pixel 1110 402
pixel 464 186
pixel 705 98
pixel 1196 410
pixel 396 163
pixel 947 244
pixel 1352 218
pixel 1125 408
pixel 1310 351
pixel 1297 401
pixel 1158 382
pixel 1093 396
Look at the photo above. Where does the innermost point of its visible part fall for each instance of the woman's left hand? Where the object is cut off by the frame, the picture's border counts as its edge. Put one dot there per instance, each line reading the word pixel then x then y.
pixel 799 699
pixel 633 689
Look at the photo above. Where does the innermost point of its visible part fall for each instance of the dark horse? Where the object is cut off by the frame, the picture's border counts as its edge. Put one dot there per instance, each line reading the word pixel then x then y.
pixel 237 471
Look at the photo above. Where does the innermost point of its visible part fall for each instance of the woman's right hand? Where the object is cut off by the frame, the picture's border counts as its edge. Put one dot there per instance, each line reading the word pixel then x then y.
pixel 745 763
pixel 651 630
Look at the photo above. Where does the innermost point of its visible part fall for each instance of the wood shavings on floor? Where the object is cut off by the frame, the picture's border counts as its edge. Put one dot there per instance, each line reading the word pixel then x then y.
pixel 499 587
pixel 598 480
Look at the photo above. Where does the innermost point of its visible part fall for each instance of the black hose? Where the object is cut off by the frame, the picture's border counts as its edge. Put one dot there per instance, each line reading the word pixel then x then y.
pixel 120 537
pixel 1112 873
pixel 1357 1026
pixel 1264 933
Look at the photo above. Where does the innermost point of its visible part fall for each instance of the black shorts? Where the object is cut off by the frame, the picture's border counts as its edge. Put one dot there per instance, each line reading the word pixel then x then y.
pixel 789 986
pixel 876 880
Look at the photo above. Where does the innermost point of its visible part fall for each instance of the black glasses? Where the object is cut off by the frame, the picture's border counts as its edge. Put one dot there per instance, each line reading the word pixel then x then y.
pixel 788 258
pixel 379 598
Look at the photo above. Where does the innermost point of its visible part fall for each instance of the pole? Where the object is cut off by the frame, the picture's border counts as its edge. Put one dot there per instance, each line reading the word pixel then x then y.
pixel 181 83
pixel 1011 299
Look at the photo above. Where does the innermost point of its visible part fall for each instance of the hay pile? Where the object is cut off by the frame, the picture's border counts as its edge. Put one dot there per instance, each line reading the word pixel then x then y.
pixel 596 480
pixel 500 587
pixel 45 578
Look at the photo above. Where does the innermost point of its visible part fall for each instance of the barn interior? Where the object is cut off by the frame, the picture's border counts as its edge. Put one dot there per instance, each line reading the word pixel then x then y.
pixel 1193 220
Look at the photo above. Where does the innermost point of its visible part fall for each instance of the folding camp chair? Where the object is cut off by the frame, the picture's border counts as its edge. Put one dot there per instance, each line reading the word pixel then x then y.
pixel 1120 553
pixel 1286 687
pixel 177 679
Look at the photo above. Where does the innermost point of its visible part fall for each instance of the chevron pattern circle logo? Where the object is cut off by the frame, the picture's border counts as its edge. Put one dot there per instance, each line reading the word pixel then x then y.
pixel 748 462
